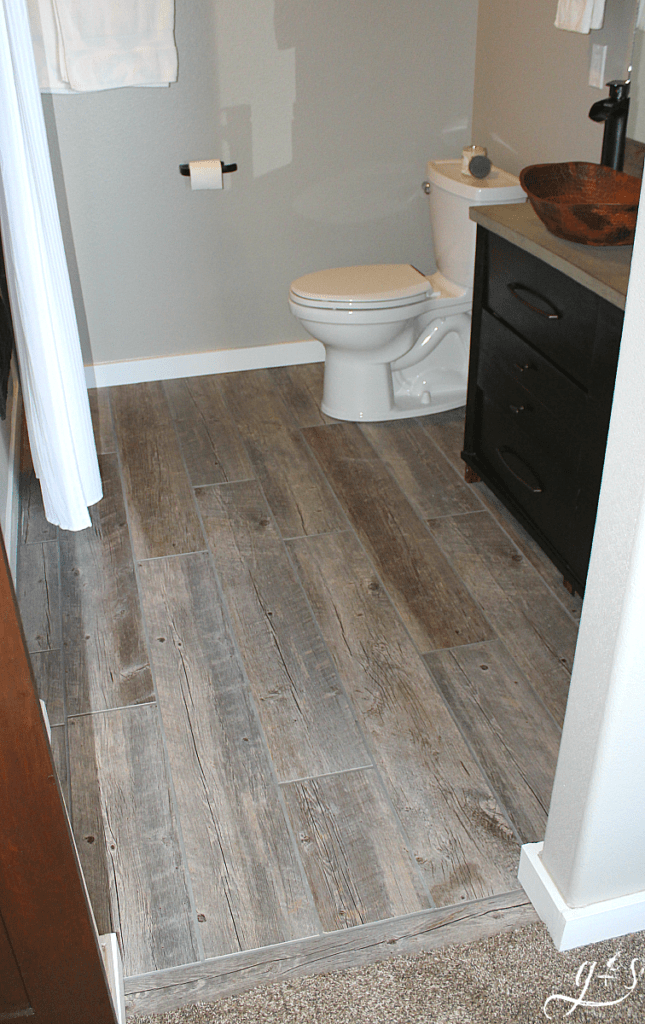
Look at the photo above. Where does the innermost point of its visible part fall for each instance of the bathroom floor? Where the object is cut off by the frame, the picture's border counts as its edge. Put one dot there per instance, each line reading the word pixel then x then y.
pixel 306 684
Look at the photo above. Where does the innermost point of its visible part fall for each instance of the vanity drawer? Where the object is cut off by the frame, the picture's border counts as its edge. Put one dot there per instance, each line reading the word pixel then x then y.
pixel 555 314
pixel 544 488
pixel 503 354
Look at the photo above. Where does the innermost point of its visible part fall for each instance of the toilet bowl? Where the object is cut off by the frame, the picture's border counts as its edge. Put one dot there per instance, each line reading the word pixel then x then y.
pixel 397 341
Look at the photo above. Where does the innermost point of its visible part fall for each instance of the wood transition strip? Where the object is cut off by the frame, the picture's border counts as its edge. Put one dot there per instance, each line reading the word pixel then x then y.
pixel 352 947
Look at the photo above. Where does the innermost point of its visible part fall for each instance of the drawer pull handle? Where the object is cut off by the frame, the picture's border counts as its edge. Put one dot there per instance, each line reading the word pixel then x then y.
pixel 524 366
pixel 517 408
pixel 549 314
pixel 518 468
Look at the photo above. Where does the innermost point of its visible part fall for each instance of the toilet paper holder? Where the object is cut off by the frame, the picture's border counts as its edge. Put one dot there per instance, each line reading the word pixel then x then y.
pixel 226 169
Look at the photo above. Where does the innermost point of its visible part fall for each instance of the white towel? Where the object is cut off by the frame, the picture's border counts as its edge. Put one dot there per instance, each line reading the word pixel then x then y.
pixel 580 15
pixel 103 44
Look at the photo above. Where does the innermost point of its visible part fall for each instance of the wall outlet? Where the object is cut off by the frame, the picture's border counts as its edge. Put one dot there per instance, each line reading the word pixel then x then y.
pixel 597 66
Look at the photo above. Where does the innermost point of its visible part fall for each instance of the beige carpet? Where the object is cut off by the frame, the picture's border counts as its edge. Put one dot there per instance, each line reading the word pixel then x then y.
pixel 507 978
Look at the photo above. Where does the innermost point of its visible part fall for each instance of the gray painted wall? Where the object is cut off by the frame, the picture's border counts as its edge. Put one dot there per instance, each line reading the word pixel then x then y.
pixel 331 111
pixel 532 99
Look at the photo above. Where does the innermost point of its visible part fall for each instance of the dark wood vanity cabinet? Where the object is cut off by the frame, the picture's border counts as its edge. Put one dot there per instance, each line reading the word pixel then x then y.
pixel 542 367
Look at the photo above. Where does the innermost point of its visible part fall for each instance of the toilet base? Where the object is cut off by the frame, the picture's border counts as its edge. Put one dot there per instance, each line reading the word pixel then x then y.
pixel 399 400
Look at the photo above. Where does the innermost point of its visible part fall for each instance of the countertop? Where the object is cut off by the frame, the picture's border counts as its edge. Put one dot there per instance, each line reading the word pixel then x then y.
pixel 602 269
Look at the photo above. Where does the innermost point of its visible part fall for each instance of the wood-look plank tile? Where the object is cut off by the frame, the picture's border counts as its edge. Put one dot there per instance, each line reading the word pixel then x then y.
pixel 209 439
pixel 246 877
pixel 101 412
pixel 541 562
pixel 464 847
pixel 506 726
pixel 420 469
pixel 301 389
pixel 538 632
pixel 353 853
pixel 306 718
pixel 297 492
pixel 106 658
pixel 428 595
pixel 33 526
pixel 447 432
pixel 47 667
pixel 127 838
pixel 159 498
pixel 38 595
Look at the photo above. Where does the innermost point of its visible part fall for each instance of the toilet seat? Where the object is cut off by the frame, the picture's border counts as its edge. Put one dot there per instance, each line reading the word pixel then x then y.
pixel 375 286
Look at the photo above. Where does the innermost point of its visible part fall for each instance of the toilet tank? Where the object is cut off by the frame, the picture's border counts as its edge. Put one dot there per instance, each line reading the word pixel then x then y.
pixel 451 196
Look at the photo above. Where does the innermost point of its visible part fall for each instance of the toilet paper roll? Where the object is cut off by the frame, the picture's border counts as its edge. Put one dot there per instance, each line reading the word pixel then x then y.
pixel 205 174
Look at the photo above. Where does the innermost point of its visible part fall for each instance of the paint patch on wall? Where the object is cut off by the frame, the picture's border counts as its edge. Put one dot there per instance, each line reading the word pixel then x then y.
pixel 253 71
pixel 366 193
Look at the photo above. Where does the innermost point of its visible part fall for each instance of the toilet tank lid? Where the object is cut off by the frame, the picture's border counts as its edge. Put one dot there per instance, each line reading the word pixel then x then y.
pixel 498 187
pixel 362 284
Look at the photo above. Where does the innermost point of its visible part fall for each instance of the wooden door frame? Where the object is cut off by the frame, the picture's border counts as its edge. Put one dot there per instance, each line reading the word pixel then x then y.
pixel 43 900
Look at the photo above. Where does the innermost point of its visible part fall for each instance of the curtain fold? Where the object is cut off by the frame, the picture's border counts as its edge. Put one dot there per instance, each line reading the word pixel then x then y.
pixel 47 341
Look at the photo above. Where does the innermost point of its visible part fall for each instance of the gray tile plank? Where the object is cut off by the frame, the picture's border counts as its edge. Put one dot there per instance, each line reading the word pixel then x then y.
pixel 101 412
pixel 505 724
pixel 307 721
pixel 428 595
pixel 352 849
pixel 127 837
pixel 338 951
pixel 209 439
pixel 422 472
pixel 295 489
pixel 33 527
pixel 38 595
pixel 464 847
pixel 163 519
pixel 106 659
pixel 539 634
pixel 246 877
pixel 532 551
pixel 301 390
pixel 47 667
pixel 447 432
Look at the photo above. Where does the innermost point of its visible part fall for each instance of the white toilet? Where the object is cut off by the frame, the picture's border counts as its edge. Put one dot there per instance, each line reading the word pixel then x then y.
pixel 397 341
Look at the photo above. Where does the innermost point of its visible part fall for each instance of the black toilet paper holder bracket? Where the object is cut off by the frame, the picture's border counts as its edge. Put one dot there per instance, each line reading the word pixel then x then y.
pixel 226 169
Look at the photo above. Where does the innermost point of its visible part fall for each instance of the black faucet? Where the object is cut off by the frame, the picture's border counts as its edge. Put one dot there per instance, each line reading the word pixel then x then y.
pixel 613 111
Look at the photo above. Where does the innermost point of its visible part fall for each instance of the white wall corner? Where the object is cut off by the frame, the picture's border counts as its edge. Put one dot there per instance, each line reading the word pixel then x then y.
pixel 109 947
pixel 570 927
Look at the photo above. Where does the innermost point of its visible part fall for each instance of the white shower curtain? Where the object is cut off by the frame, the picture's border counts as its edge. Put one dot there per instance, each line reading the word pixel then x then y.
pixel 49 353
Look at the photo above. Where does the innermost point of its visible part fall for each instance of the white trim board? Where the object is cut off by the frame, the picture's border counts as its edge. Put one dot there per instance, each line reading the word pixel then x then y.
pixel 198 364
pixel 571 927
pixel 10 462
pixel 109 947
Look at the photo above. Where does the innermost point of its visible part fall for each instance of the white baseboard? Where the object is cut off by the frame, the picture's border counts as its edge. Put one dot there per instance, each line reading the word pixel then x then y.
pixel 198 364
pixel 114 970
pixel 571 927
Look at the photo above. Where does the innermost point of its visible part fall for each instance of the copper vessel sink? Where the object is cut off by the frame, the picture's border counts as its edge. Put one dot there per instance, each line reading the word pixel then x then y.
pixel 586 203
